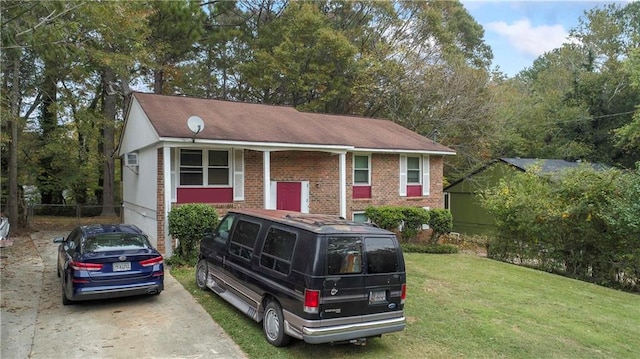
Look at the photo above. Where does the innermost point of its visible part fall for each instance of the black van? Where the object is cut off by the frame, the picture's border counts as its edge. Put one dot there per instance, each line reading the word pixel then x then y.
pixel 313 277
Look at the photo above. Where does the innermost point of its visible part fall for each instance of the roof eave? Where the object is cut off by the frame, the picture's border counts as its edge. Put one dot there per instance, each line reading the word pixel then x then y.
pixel 294 146
pixel 394 150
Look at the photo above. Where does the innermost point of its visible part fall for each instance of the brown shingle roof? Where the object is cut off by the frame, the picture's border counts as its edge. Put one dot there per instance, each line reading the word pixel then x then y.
pixel 247 122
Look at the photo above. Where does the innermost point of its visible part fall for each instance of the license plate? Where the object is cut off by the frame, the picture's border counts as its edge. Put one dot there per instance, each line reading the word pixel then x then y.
pixel 377 296
pixel 121 266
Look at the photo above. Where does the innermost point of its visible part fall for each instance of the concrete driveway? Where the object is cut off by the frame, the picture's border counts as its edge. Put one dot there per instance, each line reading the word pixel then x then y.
pixel 35 324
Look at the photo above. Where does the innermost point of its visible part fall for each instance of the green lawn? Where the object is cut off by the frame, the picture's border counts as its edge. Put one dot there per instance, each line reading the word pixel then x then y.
pixel 466 306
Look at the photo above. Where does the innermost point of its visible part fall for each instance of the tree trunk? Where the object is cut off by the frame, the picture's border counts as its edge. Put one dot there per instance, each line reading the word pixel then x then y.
pixel 158 81
pixel 108 144
pixel 48 181
pixel 13 147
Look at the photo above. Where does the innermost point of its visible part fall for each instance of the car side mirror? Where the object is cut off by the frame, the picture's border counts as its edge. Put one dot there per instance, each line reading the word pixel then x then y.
pixel 58 240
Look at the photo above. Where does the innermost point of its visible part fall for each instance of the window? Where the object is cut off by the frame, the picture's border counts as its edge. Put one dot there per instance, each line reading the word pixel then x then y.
pixel 277 251
pixel 198 167
pixel 361 170
pixel 244 238
pixel 344 255
pixel 115 242
pixel 74 240
pixel 382 255
pixel 191 167
pixel 218 168
pixel 415 176
pixel 413 170
pixel 222 235
pixel 360 217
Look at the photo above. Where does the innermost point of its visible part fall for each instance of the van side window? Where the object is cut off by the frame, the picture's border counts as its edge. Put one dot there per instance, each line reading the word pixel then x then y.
pixel 382 255
pixel 222 235
pixel 278 250
pixel 244 238
pixel 344 255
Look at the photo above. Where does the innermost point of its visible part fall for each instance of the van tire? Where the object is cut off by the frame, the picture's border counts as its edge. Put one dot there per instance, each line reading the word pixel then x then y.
pixel 273 325
pixel 202 272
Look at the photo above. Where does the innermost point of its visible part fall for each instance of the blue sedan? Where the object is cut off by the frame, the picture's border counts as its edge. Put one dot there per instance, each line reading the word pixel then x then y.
pixel 108 261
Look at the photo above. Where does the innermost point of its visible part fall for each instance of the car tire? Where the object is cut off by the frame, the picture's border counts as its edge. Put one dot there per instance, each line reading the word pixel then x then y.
pixel 65 300
pixel 273 325
pixel 202 272
pixel 58 271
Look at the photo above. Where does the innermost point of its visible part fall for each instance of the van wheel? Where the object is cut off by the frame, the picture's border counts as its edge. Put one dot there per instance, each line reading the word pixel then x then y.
pixel 273 325
pixel 202 272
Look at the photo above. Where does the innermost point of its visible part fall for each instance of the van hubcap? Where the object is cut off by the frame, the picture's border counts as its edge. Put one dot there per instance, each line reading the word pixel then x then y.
pixel 273 323
pixel 202 275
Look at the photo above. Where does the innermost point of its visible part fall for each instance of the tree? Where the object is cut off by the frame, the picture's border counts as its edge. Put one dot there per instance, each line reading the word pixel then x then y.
pixel 25 31
pixel 573 99
pixel 300 60
pixel 65 51
pixel 176 26
pixel 628 136
pixel 219 53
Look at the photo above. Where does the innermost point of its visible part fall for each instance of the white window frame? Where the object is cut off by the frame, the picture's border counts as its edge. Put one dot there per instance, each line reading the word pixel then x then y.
pixel 238 174
pixel 205 168
pixel 353 216
pixel 353 161
pixel 424 176
pixel 419 170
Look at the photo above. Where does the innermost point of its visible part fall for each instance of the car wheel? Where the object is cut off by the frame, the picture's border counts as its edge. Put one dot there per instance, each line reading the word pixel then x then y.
pixel 65 300
pixel 58 271
pixel 202 272
pixel 273 325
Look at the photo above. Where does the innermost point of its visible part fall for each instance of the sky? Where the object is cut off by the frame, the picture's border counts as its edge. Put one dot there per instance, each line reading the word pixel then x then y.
pixel 521 31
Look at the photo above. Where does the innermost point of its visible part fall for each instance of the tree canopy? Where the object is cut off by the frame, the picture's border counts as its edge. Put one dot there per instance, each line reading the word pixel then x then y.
pixel 68 66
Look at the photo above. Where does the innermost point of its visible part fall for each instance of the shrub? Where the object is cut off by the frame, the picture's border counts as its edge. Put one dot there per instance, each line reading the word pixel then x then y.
pixel 187 223
pixel 583 224
pixel 413 218
pixel 387 217
pixel 392 217
pixel 429 248
pixel 441 222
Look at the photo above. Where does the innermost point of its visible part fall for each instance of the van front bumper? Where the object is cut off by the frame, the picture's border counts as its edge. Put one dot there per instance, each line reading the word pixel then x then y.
pixel 346 332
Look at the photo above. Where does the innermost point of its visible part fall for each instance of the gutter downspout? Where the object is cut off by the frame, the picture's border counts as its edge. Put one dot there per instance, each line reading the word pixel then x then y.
pixel 343 184
pixel 166 169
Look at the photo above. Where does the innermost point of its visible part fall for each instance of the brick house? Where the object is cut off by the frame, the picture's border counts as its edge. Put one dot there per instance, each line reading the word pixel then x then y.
pixel 240 155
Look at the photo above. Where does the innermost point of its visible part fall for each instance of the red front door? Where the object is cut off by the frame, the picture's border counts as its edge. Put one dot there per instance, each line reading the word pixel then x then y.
pixel 289 196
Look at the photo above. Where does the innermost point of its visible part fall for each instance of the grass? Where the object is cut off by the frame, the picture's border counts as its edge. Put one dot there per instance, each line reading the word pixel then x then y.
pixel 467 306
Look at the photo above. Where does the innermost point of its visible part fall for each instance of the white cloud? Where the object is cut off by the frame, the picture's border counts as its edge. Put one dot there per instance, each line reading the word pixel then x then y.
pixel 528 39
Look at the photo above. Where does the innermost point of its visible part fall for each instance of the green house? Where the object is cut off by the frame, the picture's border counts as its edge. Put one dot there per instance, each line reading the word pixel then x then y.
pixel 461 197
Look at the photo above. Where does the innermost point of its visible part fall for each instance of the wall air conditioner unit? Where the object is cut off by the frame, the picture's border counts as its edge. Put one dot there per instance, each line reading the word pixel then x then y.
pixel 131 159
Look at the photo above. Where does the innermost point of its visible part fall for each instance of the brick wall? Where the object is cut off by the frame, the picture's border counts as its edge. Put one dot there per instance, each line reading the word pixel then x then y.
pixel 321 169
pixel 385 182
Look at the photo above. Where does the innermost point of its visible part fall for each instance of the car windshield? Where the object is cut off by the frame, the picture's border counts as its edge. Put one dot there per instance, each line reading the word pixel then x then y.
pixel 115 241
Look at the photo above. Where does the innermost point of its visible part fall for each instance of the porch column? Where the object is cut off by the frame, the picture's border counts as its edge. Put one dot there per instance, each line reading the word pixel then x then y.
pixel 166 173
pixel 266 175
pixel 343 184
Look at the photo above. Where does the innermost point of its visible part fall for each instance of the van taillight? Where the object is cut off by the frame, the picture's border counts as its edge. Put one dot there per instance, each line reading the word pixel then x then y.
pixel 403 294
pixel 311 301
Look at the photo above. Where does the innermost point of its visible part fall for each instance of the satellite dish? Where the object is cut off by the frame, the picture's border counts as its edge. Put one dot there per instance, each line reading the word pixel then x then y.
pixel 195 124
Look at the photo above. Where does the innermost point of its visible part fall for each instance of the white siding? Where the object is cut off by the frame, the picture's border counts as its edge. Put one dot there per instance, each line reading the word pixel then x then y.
pixel 140 193
pixel 138 132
